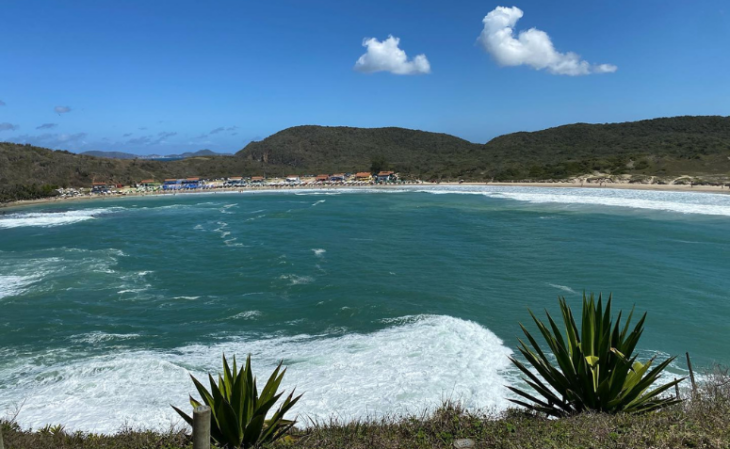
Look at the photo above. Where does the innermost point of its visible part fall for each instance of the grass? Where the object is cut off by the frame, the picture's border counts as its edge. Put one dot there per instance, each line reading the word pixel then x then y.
pixel 702 422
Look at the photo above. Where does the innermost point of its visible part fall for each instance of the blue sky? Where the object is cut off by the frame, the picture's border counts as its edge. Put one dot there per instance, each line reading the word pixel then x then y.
pixel 162 76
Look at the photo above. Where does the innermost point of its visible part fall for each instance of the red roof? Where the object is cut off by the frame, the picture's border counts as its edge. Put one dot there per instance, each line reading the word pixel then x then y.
pixel 338 175
pixel 170 180
pixel 257 178
pixel 385 173
pixel 147 181
pixel 193 179
pixel 99 184
pixel 322 177
pixel 363 174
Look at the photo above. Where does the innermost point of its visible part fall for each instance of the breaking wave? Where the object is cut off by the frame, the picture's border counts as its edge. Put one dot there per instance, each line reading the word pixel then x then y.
pixel 50 219
pixel 407 368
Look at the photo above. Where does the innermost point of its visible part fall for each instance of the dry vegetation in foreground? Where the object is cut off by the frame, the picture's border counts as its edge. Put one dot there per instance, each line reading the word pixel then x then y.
pixel 703 422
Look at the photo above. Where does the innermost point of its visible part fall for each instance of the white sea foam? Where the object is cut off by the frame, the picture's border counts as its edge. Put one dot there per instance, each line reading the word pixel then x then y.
pixel 15 285
pixel 406 368
pixel 50 219
pixel 318 202
pixel 233 244
pixel 187 298
pixel 319 252
pixel 248 315
pixel 98 337
pixel 132 290
pixel 296 280
pixel 564 288
pixel 680 202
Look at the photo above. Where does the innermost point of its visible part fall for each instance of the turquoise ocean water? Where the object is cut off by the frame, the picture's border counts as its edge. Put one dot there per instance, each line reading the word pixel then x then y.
pixel 377 301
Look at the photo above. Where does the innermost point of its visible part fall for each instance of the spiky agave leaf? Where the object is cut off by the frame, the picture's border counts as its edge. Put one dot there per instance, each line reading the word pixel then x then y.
pixel 238 412
pixel 594 367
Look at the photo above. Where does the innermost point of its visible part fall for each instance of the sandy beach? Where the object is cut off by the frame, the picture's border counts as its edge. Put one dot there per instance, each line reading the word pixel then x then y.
pixel 567 185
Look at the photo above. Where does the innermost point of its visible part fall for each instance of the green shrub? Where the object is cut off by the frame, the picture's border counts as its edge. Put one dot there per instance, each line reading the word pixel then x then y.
pixel 238 412
pixel 596 369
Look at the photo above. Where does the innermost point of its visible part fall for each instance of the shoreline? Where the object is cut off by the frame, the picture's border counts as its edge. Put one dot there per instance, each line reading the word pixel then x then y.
pixel 563 185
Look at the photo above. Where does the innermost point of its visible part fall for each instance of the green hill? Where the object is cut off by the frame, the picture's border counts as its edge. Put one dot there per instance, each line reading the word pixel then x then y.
pixel 344 149
pixel 25 169
pixel 666 146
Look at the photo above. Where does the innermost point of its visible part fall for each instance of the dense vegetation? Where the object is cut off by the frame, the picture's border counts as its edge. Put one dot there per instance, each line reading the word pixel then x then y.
pixel 667 148
pixel 595 367
pixel 343 149
pixel 238 412
pixel 661 147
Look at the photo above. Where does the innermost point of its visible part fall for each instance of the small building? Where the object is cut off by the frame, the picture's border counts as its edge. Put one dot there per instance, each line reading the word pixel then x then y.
pixel 363 176
pixel 338 177
pixel 234 181
pixel 147 183
pixel 385 176
pixel 99 187
pixel 322 178
pixel 293 179
pixel 191 183
pixel 257 180
pixel 172 184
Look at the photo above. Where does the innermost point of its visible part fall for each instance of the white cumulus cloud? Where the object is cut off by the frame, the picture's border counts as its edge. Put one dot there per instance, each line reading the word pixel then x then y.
pixel 386 56
pixel 531 47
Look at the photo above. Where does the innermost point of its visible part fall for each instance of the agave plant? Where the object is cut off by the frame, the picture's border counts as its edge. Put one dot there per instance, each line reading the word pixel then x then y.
pixel 238 412
pixel 596 369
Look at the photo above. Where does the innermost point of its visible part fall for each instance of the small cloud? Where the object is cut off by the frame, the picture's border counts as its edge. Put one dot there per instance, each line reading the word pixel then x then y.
pixel 216 131
pixel 531 47
pixel 47 126
pixel 144 128
pixel 2 103
pixel 61 110
pixel 234 134
pixel 8 127
pixel 232 128
pixel 78 137
pixel 151 140
pixel 144 140
pixel 54 141
pixel 386 56
pixel 126 135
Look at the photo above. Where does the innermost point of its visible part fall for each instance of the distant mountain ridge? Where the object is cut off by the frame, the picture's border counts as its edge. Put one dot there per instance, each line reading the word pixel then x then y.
pixel 122 155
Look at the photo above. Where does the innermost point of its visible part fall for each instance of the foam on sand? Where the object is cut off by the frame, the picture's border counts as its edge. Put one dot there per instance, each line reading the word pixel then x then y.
pixel 680 202
pixel 49 219
pixel 406 368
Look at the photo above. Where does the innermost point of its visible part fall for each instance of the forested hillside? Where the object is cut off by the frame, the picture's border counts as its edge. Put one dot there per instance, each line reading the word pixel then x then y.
pixel 666 147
